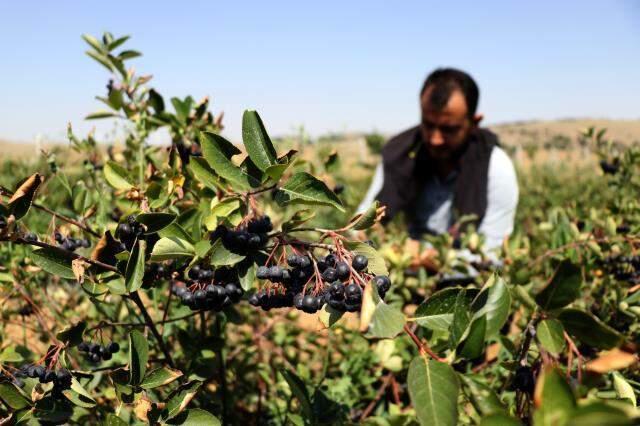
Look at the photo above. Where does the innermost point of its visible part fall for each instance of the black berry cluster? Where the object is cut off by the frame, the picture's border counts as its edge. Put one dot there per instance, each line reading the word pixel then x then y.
pixel 523 380
pixel 25 310
pixel 610 168
pixel 337 283
pixel 68 243
pixel 246 238
pixel 128 232
pixel 61 378
pixel 95 352
pixel 153 272
pixel 209 290
pixel 624 268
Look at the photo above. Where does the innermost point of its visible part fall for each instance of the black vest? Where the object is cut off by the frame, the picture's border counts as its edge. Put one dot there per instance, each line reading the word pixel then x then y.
pixel 407 167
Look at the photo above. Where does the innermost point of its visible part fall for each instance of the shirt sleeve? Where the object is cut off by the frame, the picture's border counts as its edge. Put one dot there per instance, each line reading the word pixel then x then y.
pixel 374 188
pixel 502 200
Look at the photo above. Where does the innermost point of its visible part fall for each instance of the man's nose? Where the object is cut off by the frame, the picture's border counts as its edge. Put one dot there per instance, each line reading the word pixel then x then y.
pixel 436 138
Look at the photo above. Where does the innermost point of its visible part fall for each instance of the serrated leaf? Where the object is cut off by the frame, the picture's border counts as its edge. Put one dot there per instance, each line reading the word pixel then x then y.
pixel 160 377
pixel 155 221
pixel 218 152
pixel 433 387
pixel 256 141
pixel 172 248
pixel 367 219
pixel 550 333
pixel 138 357
pixel 436 313
pixel 563 288
pixel 55 261
pixel 588 329
pixel 180 399
pixel 134 272
pixel 220 256
pixel 376 265
pixel 78 395
pixel 304 188
pixel 13 396
pixel 205 174
pixel 117 176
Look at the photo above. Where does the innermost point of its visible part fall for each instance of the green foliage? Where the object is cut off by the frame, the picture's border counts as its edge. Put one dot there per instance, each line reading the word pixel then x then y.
pixel 507 347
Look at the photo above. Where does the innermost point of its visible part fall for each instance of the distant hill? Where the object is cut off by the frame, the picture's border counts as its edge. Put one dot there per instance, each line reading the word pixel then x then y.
pixel 526 132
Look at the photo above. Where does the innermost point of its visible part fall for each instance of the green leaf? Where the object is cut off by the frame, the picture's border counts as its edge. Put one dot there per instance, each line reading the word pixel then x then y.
pixel 436 313
pixel 13 396
pixel 100 114
pixel 160 377
pixel 598 413
pixel 155 221
pixel 101 59
pixel 78 395
pixel 387 321
pixel 172 248
pixel 499 420
pixel 177 231
pixel 72 333
pixel 300 217
pixel 9 354
pixel 482 397
pixel 367 219
pixel 218 152
pixel 303 188
pixel 550 334
pixel 461 319
pixel 118 42
pixel 138 357
pixel 377 265
pixel 473 339
pixel 220 256
pixel 205 174
pixel 256 141
pixel 113 420
pixel 93 42
pixel 623 388
pixel 433 387
pixel 588 329
pixel 135 267
pixel 494 302
pixel 129 54
pixel 246 275
pixel 553 398
pixel 329 316
pixel 180 399
pixel 55 261
pixel 563 288
pixel 195 417
pixel 117 176
pixel 299 390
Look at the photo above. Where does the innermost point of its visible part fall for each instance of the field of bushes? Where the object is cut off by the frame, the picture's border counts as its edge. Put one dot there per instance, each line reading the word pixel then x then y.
pixel 206 283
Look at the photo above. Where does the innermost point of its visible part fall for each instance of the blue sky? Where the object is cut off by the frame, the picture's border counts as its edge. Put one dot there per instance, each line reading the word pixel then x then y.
pixel 330 66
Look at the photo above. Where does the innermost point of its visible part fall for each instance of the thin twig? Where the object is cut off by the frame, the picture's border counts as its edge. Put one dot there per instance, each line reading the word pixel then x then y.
pixel 135 297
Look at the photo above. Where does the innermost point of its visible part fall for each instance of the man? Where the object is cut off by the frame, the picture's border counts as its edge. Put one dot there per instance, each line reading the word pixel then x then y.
pixel 447 166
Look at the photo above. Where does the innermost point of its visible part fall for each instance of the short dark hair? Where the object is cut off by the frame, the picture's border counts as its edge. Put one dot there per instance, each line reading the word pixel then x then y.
pixel 444 81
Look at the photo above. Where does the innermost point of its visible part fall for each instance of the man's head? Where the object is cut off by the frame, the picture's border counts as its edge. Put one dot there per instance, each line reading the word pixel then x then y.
pixel 448 100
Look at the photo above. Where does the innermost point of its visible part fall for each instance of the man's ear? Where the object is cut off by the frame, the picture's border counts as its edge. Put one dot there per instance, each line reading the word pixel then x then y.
pixel 477 119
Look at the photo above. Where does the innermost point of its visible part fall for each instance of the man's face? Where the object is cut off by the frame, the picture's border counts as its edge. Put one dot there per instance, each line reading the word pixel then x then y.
pixel 444 130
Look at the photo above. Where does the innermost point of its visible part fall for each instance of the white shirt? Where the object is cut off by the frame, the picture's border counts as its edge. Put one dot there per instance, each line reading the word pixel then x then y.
pixel 436 200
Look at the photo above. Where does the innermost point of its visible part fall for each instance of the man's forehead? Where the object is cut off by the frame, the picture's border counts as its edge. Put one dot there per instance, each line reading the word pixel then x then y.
pixel 456 106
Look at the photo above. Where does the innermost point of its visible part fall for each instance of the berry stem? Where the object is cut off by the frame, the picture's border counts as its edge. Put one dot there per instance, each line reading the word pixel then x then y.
pixel 423 348
pixel 135 297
